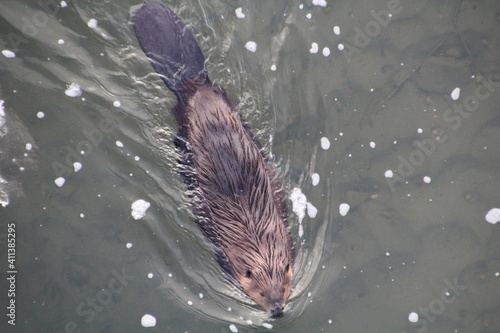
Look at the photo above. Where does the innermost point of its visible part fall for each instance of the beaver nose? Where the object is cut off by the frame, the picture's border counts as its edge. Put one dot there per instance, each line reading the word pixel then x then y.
pixel 277 313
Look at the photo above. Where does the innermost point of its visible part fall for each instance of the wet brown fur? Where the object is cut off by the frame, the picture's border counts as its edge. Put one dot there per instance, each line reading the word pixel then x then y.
pixel 237 198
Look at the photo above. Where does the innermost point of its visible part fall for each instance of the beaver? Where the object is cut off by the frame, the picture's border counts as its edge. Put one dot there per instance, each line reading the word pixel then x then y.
pixel 236 197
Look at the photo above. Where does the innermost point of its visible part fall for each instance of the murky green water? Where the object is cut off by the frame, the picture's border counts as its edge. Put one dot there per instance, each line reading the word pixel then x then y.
pixel 415 242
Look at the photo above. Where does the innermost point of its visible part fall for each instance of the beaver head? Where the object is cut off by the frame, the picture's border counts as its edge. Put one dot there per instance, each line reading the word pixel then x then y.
pixel 263 268
pixel 268 289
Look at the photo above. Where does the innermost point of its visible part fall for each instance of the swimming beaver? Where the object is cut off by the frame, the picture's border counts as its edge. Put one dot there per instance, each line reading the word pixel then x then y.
pixel 236 196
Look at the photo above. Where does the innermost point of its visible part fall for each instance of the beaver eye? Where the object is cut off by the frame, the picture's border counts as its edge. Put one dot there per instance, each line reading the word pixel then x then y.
pixel 248 273
pixel 261 294
pixel 287 267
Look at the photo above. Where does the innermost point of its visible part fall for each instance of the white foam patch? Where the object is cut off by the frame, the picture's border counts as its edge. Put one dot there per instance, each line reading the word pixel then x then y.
pixel 311 210
pixel 40 115
pixel 427 179
pixel 315 179
pixel 73 90
pixel 60 41
pixel 413 317
pixel 233 328
pixel 493 216
pixel 8 54
pixel 340 47
pixel 267 325
pixel 117 104
pixel 314 48
pixel 344 209
pixel 251 46
pixel 372 144
pixel 60 181
pixel 92 23
pixel 336 30
pixel 119 144
pixel 321 3
pixel 455 94
pixel 239 13
pixel 299 207
pixel 326 51
pixel 389 174
pixel 325 143
pixel 64 4
pixel 148 320
pixel 77 166
pixel 139 208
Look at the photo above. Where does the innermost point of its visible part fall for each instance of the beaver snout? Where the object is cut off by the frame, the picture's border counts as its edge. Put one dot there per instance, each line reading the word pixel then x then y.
pixel 277 313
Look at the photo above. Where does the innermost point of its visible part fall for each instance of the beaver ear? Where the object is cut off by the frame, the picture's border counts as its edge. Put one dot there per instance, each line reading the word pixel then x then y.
pixel 248 273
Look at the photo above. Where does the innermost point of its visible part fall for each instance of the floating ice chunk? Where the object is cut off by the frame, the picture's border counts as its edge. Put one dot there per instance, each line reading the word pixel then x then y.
pixel 60 181
pixel 325 143
pixel 321 3
pixel 251 46
pixel 8 54
pixel 315 179
pixel 314 48
pixel 311 210
pixel 413 317
pixel 92 23
pixel 139 208
pixel 344 209
pixel 267 325
pixel 73 90
pixel 77 166
pixel 239 13
pixel 148 321
pixel 493 216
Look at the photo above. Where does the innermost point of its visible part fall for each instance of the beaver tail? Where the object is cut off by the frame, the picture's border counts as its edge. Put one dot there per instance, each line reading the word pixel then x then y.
pixel 169 45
